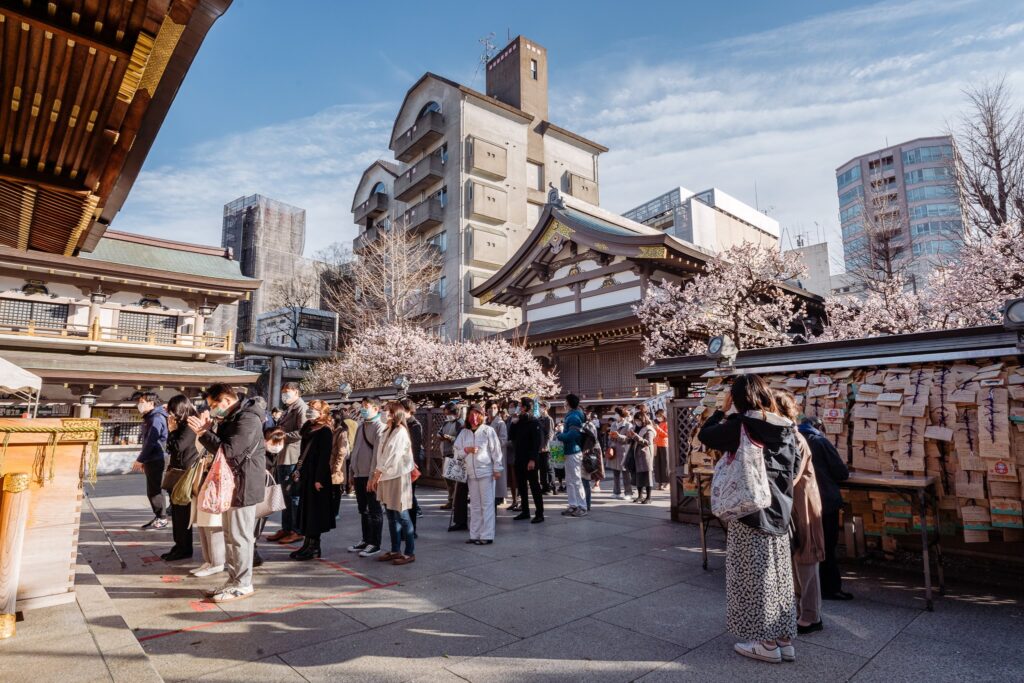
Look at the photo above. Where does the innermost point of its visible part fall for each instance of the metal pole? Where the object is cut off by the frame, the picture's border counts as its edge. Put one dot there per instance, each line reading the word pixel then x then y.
pixel 113 547
pixel 276 375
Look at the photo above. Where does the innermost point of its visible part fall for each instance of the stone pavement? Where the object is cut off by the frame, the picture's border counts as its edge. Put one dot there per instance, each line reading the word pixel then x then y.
pixel 617 596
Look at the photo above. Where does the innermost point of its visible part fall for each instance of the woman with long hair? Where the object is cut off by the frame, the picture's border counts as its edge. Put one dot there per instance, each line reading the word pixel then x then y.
pixel 481 449
pixel 642 437
pixel 316 509
pixel 760 603
pixel 809 534
pixel 181 447
pixel 392 481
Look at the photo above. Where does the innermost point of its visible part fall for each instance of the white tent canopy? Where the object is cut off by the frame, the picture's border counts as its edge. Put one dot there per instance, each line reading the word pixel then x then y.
pixel 21 383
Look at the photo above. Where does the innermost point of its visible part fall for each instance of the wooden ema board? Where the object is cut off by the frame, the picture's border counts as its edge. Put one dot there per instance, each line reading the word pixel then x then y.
pixel 51 534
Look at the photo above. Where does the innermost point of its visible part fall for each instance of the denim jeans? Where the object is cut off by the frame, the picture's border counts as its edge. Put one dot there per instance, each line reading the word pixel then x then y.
pixel 291 503
pixel 586 491
pixel 370 512
pixel 399 525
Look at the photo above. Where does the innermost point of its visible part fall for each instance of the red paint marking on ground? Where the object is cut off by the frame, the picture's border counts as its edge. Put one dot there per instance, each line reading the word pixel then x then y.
pixel 339 567
pixel 201 606
pixel 275 610
pixel 171 578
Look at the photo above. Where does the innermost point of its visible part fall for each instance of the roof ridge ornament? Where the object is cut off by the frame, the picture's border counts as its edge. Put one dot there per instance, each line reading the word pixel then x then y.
pixel 555 197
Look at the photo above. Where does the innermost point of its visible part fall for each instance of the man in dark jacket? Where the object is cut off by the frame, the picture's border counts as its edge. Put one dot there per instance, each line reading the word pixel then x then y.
pixel 528 439
pixel 285 462
pixel 829 470
pixel 240 435
pixel 418 452
pixel 152 455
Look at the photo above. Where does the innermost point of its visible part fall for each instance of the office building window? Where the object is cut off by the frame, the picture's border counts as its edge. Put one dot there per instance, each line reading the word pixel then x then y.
pixel 850 195
pixel 439 242
pixel 924 175
pixel 533 69
pixel 929 210
pixel 850 212
pixel 934 247
pixel 936 228
pixel 919 194
pixel 923 155
pixel 844 179
pixel 534 176
pixel 852 230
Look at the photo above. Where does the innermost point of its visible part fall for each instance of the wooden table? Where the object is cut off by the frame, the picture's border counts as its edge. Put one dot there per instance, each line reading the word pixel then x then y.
pixel 919 489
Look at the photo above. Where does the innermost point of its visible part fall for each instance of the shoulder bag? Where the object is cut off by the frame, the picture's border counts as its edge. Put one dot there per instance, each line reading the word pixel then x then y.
pixel 739 486
pixel 273 499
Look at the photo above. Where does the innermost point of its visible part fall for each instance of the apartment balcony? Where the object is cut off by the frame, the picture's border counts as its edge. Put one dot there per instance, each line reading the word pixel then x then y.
pixel 364 238
pixel 424 215
pixel 427 130
pixel 94 338
pixel 433 305
pixel 373 207
pixel 425 173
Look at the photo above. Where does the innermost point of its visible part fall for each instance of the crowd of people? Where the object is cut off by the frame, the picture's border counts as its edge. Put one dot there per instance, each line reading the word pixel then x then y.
pixel 315 454
pixel 780 561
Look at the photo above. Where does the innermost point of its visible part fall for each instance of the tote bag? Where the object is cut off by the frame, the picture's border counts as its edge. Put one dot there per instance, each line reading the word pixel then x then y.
pixel 181 493
pixel 273 499
pixel 216 495
pixel 455 470
pixel 739 486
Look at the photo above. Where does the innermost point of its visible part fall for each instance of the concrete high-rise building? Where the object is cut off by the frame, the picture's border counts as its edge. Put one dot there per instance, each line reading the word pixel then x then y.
pixel 712 219
pixel 471 176
pixel 267 238
pixel 910 189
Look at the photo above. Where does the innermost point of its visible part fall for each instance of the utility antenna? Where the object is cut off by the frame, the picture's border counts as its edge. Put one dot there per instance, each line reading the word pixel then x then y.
pixel 756 205
pixel 489 49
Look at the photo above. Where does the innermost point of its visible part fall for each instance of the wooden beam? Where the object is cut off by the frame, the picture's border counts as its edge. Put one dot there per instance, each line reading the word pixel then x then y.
pixel 25 176
pixel 28 207
pixel 81 38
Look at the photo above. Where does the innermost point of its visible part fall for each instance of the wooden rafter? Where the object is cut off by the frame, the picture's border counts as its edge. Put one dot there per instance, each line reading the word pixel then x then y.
pixel 121 50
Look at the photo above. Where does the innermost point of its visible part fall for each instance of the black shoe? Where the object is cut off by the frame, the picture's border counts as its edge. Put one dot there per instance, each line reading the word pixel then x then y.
pixel 838 595
pixel 149 523
pixel 472 540
pixel 296 553
pixel 810 628
pixel 521 516
pixel 257 559
pixel 419 513
pixel 537 520
pixel 458 527
pixel 646 501
pixel 175 555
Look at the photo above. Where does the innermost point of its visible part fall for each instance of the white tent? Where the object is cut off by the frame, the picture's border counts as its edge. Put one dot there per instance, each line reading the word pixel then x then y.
pixel 20 383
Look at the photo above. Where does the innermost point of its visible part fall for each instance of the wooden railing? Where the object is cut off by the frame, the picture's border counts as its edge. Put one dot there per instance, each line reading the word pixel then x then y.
pixel 95 332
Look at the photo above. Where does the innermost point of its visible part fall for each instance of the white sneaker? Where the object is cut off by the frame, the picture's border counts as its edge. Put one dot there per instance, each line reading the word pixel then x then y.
pixel 232 593
pixel 202 567
pixel 370 551
pixel 759 652
pixel 213 591
pixel 788 653
pixel 210 570
pixel 619 496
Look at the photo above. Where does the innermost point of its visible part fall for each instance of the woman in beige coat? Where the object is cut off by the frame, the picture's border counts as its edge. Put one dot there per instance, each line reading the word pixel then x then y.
pixel 809 537
pixel 392 481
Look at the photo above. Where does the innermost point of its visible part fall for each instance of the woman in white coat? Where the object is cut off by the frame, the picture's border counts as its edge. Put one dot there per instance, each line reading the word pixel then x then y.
pixel 479 446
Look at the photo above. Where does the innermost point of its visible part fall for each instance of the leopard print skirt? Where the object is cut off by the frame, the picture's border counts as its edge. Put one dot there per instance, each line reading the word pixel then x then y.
pixel 760 602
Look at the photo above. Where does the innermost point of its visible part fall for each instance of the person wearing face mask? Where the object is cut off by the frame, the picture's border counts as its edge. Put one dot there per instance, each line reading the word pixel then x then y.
pixel 240 436
pixel 447 435
pixel 152 455
pixel 494 421
pixel 290 423
pixel 511 419
pixel 316 512
pixel 661 476
pixel 273 441
pixel 642 443
pixel 181 446
pixel 369 435
pixel 618 438
pixel 478 443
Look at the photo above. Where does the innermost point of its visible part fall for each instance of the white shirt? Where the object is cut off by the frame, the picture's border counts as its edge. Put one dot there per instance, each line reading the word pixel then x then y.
pixel 488 458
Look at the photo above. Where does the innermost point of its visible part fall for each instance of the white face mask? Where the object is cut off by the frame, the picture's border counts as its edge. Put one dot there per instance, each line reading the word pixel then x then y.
pixel 143 408
pixel 274 450
pixel 289 397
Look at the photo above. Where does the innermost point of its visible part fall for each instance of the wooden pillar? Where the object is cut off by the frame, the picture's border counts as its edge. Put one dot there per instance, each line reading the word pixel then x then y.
pixel 13 519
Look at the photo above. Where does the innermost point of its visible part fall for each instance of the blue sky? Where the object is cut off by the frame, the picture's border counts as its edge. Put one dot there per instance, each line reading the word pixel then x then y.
pixel 293 99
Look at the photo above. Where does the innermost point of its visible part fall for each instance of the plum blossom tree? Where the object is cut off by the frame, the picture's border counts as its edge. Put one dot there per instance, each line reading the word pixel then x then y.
pixel 376 355
pixel 739 294
pixel 887 308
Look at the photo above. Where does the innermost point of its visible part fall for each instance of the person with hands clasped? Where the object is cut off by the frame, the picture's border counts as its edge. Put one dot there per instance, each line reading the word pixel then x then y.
pixel 478 444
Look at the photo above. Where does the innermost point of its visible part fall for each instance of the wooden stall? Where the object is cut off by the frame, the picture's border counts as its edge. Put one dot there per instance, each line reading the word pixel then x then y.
pixel 56 454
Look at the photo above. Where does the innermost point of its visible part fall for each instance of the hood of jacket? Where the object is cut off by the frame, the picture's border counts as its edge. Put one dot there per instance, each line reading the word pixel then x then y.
pixel 247 405
pixel 770 429
pixel 807 429
pixel 151 415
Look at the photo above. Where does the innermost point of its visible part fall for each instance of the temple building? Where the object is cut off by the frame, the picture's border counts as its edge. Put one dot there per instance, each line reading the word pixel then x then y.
pixel 575 280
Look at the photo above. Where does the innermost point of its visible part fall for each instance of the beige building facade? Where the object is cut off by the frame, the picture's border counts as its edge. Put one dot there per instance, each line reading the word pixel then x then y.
pixel 469 177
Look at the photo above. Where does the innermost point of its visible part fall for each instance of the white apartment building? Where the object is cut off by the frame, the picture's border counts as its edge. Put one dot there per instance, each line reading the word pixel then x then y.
pixel 470 178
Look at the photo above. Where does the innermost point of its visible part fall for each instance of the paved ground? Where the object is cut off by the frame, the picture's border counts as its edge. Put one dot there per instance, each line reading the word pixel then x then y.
pixel 618 596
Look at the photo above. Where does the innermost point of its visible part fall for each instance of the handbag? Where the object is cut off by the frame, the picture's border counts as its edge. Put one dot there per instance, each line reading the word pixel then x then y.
pixel 172 475
pixel 292 486
pixel 219 489
pixel 181 492
pixel 273 499
pixel 590 462
pixel 630 464
pixel 455 469
pixel 739 486
pixel 415 473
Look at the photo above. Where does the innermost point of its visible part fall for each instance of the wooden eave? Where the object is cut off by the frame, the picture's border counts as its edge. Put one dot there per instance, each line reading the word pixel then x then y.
pixel 84 88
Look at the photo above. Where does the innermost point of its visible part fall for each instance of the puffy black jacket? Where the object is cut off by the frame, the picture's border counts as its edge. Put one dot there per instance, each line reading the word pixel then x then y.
pixel 240 434
pixel 181 446
pixel 781 459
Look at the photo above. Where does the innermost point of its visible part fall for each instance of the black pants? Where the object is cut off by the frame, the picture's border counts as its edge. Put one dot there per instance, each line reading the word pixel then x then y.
pixel 370 512
pixel 182 532
pixel 415 512
pixel 661 465
pixel 828 570
pixel 154 470
pixel 460 504
pixel 547 477
pixel 336 499
pixel 529 482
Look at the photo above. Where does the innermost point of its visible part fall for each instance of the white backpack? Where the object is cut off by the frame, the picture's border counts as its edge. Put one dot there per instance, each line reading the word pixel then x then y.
pixel 739 486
